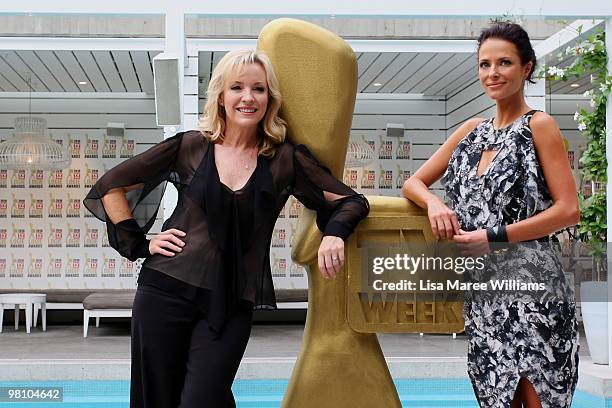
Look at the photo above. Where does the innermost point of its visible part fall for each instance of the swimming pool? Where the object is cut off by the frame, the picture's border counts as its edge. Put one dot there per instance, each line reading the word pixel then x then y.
pixel 414 393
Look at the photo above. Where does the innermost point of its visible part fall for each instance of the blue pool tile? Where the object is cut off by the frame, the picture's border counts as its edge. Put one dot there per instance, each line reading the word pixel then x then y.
pixel 414 393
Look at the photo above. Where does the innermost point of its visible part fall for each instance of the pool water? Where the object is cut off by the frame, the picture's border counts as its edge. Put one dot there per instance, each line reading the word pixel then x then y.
pixel 414 393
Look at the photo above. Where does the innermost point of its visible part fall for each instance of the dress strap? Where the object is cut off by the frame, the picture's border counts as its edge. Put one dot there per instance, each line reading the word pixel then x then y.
pixel 530 114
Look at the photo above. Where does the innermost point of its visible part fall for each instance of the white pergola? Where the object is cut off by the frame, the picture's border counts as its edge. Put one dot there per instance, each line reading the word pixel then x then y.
pixel 175 40
pixel 357 8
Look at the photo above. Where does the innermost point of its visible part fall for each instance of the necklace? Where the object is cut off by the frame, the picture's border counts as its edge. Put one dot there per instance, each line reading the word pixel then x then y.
pixel 238 158
pixel 245 163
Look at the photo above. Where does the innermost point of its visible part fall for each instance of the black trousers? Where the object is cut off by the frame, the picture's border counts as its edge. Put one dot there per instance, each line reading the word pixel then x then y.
pixel 177 361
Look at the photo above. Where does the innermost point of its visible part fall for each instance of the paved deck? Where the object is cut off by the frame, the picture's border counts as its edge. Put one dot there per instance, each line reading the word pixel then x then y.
pixel 62 353
pixel 111 341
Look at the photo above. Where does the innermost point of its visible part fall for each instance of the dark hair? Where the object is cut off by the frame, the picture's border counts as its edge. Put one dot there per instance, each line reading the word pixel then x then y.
pixel 515 34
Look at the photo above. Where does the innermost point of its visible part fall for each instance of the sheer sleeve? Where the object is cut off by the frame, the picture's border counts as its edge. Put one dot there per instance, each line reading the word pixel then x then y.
pixel 146 176
pixel 312 180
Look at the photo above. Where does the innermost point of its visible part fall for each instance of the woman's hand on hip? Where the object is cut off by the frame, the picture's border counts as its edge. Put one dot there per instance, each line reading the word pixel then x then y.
pixel 443 220
pixel 167 242
pixel 331 256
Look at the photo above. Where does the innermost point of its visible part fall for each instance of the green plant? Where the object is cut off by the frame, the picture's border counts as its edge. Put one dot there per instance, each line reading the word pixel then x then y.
pixel 593 225
pixel 590 58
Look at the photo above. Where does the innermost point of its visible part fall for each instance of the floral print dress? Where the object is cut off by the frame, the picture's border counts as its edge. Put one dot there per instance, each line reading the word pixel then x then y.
pixel 508 339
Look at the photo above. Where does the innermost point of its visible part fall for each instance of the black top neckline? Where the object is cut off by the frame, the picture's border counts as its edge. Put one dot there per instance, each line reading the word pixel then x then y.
pixel 227 188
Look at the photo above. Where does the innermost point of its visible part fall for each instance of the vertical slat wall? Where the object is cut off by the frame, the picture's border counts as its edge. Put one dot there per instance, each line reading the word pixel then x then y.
pixel 47 238
pixel 467 101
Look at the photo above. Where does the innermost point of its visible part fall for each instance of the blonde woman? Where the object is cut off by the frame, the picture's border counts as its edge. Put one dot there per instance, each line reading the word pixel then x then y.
pixel 209 267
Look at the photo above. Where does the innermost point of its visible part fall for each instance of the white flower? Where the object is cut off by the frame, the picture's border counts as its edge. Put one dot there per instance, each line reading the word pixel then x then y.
pixel 576 116
pixel 587 93
pixel 592 103
pixel 569 50
pixel 555 71
pixel 581 127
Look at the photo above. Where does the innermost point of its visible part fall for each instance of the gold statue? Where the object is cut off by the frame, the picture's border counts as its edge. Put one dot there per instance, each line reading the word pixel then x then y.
pixel 341 363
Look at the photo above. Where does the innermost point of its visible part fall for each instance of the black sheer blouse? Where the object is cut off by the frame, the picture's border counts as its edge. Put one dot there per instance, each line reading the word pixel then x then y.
pixel 227 243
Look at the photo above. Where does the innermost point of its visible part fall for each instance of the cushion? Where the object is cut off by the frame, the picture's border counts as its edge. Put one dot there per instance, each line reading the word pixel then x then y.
pixel 56 295
pixel 291 295
pixel 111 299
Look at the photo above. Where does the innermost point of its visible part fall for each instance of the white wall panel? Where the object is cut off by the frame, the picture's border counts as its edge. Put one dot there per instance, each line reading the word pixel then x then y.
pixel 463 80
pixel 477 107
pixel 463 96
pixel 47 238
pixel 190 104
pixel 87 120
pixel 419 136
pixel 48 105
pixel 400 106
pixel 410 121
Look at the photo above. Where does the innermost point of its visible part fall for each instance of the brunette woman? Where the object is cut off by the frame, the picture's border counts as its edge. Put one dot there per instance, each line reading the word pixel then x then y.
pixel 507 179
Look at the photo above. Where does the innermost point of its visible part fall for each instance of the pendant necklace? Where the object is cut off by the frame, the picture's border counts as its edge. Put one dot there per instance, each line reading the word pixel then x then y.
pixel 246 164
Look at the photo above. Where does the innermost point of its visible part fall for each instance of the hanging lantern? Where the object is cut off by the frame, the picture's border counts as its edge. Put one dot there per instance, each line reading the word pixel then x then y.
pixel 30 148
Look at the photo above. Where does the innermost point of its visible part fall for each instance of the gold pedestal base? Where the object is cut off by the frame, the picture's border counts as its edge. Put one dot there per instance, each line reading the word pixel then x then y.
pixel 337 367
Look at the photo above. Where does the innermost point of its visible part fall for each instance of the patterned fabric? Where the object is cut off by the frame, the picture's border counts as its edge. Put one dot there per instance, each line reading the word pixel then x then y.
pixel 513 339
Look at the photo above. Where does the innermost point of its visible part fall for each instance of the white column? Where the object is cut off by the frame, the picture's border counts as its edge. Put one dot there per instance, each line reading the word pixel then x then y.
pixel 191 105
pixel 535 94
pixel 609 185
pixel 175 44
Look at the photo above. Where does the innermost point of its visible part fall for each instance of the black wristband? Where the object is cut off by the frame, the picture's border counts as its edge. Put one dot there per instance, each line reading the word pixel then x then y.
pixel 497 234
pixel 337 229
pixel 130 241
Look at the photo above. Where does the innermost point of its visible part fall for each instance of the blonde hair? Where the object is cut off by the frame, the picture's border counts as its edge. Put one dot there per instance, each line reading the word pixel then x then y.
pixel 272 128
